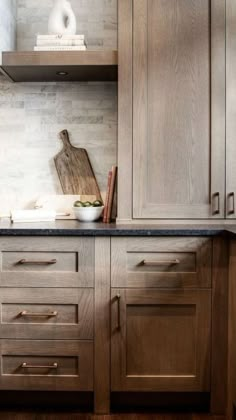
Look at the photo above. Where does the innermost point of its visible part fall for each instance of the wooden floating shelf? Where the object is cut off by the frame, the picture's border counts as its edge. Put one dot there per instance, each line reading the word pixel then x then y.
pixel 56 66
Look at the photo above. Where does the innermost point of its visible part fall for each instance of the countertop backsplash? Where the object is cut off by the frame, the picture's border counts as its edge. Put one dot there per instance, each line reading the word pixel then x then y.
pixel 32 114
pixel 7 25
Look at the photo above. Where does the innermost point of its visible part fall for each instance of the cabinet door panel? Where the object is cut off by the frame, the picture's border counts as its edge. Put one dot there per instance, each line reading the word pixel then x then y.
pixel 161 340
pixel 178 108
pixel 231 111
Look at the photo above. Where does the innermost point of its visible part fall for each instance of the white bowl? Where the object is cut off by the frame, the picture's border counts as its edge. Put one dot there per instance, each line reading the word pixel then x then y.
pixel 88 214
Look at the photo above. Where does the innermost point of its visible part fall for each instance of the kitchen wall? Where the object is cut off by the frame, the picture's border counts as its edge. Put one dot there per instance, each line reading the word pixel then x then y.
pixel 32 114
pixel 7 25
pixel 97 19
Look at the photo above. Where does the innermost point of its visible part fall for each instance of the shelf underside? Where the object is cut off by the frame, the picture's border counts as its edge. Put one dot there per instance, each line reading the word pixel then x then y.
pixel 45 66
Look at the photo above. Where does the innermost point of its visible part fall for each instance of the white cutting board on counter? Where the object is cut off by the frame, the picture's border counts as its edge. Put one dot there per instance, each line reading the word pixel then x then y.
pixel 62 204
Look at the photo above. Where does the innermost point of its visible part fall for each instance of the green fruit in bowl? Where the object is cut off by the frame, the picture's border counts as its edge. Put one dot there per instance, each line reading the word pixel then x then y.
pixel 97 203
pixel 87 204
pixel 78 204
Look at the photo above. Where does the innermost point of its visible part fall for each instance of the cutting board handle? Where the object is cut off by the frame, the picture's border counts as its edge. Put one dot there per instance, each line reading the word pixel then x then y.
pixel 64 136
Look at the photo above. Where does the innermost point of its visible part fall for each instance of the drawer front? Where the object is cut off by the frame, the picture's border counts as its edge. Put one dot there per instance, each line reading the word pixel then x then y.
pixel 161 262
pixel 46 365
pixel 47 262
pixel 46 313
pixel 39 261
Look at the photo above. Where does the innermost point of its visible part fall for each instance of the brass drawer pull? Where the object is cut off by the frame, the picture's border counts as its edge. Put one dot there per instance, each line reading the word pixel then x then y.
pixel 118 311
pixel 231 197
pixel 160 263
pixel 24 261
pixel 26 366
pixel 38 314
pixel 216 203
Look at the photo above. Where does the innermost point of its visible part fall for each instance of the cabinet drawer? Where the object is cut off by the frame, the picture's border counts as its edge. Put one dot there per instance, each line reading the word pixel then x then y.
pixel 46 313
pixel 46 365
pixel 161 262
pixel 47 262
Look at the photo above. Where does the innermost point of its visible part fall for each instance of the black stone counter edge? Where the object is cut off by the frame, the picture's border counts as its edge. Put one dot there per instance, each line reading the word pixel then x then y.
pixel 73 228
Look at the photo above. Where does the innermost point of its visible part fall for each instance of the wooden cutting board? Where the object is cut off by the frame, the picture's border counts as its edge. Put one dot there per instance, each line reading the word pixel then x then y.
pixel 74 170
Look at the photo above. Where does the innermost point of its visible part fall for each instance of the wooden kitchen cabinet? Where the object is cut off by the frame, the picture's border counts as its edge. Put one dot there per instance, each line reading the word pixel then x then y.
pixel 47 313
pixel 160 340
pixel 171 109
pixel 161 314
pixel 230 109
pixel 159 326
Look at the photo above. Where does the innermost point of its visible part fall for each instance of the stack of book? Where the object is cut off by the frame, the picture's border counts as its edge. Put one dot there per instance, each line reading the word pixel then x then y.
pixel 111 184
pixel 60 43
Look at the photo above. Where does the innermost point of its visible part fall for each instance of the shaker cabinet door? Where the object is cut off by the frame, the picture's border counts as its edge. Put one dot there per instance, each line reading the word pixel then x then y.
pixel 231 111
pixel 160 340
pixel 178 109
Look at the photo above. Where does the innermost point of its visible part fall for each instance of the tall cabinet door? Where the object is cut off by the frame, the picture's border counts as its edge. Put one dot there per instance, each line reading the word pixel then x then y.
pixel 231 110
pixel 178 109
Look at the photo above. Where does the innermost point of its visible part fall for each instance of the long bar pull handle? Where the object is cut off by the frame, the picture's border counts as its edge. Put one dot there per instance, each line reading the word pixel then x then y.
pixel 118 297
pixel 26 366
pixel 38 314
pixel 216 203
pixel 160 263
pixel 232 209
pixel 24 261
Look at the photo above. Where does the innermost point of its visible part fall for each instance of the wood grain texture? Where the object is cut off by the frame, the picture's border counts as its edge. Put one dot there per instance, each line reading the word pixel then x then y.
pixel 80 270
pixel 172 118
pixel 230 106
pixel 219 359
pixel 152 321
pixel 74 320
pixel 218 100
pixel 38 66
pixel 102 326
pixel 193 270
pixel 125 105
pixel 15 352
pixel 74 170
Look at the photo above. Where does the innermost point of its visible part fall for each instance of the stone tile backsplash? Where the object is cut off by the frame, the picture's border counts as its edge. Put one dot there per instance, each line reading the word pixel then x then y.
pixel 32 114
pixel 96 19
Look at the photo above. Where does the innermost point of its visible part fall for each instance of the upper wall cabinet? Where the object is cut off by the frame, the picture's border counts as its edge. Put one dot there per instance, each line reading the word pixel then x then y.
pixel 231 110
pixel 172 142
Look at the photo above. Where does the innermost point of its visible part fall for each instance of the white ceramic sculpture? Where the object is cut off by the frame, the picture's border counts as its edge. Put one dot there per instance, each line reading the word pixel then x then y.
pixel 62 20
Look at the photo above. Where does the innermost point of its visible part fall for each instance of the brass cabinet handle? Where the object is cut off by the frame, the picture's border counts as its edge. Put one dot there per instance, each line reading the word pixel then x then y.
pixel 26 366
pixel 232 209
pixel 38 314
pixel 159 263
pixel 216 203
pixel 118 297
pixel 24 261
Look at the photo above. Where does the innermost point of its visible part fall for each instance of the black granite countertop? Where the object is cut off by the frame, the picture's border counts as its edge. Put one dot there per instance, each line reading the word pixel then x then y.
pixel 75 228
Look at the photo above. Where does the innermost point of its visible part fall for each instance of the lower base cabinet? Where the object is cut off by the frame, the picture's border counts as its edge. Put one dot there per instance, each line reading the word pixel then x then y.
pixel 113 316
pixel 161 340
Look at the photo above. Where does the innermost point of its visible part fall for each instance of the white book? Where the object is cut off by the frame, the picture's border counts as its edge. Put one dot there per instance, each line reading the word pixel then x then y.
pixel 59 42
pixel 62 48
pixel 60 36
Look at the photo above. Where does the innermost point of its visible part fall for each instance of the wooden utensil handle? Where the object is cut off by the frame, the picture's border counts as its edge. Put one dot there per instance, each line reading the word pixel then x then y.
pixel 64 136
